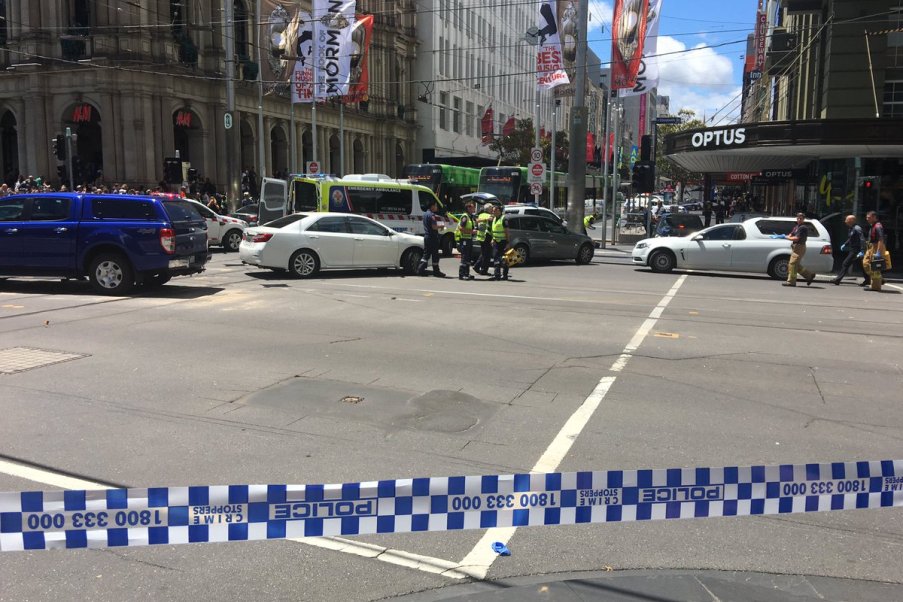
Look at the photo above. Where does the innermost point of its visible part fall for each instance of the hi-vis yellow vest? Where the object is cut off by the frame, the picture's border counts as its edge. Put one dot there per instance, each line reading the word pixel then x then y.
pixel 465 228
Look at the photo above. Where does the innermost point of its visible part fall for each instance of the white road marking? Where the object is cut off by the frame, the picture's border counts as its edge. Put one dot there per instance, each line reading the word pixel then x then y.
pixel 427 564
pixel 478 562
pixel 499 296
pixel 899 288
pixel 38 475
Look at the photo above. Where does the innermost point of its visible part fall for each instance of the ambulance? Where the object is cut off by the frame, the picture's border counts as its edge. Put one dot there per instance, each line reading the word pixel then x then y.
pixel 397 204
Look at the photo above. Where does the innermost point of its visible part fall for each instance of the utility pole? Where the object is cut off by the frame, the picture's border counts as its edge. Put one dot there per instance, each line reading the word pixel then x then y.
pixel 232 180
pixel 261 156
pixel 605 180
pixel 577 132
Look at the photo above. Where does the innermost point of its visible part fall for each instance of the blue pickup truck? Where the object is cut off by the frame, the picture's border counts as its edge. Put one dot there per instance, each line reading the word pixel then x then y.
pixel 116 241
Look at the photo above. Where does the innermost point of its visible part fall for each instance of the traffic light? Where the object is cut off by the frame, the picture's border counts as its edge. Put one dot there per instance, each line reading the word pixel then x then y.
pixel 61 172
pixel 60 147
pixel 172 170
pixel 643 176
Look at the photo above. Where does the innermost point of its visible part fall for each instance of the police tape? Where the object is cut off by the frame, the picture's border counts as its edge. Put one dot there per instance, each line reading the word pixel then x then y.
pixel 208 514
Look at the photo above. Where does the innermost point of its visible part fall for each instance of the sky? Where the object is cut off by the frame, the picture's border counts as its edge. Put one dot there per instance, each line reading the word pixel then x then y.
pixel 707 79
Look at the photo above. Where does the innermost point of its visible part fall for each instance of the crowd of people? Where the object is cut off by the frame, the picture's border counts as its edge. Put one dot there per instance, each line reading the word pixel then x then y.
pixel 203 191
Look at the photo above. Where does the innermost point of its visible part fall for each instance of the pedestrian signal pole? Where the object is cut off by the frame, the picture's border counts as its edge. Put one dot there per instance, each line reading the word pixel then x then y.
pixel 69 137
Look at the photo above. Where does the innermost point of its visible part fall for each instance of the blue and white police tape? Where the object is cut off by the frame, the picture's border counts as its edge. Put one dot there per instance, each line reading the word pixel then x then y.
pixel 174 515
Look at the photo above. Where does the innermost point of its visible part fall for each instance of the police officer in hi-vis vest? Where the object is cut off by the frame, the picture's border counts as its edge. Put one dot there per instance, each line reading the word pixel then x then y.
pixel 464 236
pixel 499 243
pixel 484 239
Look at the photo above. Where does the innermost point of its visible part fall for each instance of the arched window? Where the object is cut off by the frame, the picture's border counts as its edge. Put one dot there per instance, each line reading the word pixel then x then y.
pixel 240 30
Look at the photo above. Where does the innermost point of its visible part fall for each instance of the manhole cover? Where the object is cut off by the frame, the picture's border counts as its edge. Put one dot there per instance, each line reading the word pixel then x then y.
pixel 20 359
pixel 351 399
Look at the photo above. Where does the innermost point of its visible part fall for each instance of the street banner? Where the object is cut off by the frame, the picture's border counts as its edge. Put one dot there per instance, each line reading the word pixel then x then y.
pixel 647 76
pixel 760 39
pixel 568 34
pixel 333 21
pixel 278 34
pixel 509 127
pixel 590 147
pixel 642 124
pixel 487 125
pixel 549 61
pixel 303 72
pixel 627 40
pixel 361 35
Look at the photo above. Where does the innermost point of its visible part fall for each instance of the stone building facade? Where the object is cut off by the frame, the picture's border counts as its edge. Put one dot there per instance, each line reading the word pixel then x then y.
pixel 136 81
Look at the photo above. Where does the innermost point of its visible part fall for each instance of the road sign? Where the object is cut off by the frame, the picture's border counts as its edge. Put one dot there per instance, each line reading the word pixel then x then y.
pixel 227 121
pixel 535 188
pixel 537 172
pixel 313 167
pixel 536 155
pixel 669 120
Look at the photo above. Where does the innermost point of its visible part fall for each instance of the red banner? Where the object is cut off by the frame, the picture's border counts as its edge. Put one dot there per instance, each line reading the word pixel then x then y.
pixel 487 125
pixel 358 87
pixel 610 149
pixel 642 124
pixel 590 147
pixel 509 127
pixel 628 37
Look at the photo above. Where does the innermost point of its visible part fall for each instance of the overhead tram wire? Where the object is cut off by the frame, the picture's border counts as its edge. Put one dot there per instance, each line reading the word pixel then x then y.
pixel 793 56
pixel 862 19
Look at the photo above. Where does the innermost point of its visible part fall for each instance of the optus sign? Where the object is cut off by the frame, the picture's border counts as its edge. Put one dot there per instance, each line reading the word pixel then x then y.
pixel 727 137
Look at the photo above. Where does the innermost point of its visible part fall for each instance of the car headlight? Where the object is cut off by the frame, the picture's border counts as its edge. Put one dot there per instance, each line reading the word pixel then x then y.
pixel 642 245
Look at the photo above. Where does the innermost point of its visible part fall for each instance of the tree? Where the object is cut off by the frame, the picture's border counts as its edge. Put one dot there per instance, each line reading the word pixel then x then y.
pixel 515 149
pixel 668 169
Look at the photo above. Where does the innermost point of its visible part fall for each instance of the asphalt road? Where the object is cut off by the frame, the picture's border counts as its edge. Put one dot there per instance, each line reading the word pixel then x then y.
pixel 237 376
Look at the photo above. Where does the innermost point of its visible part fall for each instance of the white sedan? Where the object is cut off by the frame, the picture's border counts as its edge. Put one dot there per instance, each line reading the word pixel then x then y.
pixel 305 243
pixel 221 229
pixel 752 246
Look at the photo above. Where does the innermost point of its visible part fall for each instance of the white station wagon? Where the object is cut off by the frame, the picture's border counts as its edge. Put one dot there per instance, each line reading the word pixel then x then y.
pixel 750 246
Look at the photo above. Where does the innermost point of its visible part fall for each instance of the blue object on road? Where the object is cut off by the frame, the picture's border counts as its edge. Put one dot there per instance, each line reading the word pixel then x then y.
pixel 500 549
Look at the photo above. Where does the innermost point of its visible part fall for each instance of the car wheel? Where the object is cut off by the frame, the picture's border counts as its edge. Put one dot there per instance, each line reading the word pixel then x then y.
pixel 304 263
pixel 447 244
pixel 410 260
pixel 232 240
pixel 523 252
pixel 779 267
pixel 662 261
pixel 585 254
pixel 110 274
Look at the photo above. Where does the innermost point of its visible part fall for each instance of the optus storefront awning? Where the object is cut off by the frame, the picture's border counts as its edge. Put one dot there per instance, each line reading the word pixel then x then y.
pixel 755 147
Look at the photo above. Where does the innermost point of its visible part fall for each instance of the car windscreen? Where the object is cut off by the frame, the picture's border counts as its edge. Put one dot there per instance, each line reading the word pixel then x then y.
pixel 774 226
pixel 282 222
pixel 682 221
pixel 182 211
